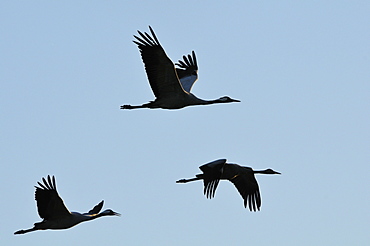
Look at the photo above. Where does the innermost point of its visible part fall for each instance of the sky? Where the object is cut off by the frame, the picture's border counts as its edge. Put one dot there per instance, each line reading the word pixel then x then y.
pixel 300 69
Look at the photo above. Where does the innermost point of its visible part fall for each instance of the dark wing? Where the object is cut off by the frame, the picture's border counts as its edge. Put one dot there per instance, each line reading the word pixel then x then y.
pixel 248 188
pixel 159 68
pixel 212 173
pixel 96 209
pixel 49 203
pixel 188 71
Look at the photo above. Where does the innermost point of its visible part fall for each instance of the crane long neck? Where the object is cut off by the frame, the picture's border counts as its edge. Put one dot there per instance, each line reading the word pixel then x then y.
pixel 206 102
pixel 194 100
pixel 86 217
pixel 95 216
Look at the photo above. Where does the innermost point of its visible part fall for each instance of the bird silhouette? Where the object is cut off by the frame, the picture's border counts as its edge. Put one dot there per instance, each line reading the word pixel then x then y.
pixel 242 177
pixel 56 216
pixel 171 86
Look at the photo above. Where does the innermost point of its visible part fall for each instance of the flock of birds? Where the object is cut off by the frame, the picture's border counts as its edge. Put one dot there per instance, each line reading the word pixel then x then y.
pixel 171 86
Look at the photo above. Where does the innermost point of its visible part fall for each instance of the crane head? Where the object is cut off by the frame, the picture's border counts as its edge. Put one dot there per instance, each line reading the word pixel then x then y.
pixel 227 99
pixel 110 212
pixel 270 171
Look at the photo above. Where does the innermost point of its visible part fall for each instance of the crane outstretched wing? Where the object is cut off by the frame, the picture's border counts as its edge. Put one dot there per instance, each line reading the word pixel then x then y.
pixel 187 71
pixel 212 173
pixel 247 185
pixel 49 203
pixel 159 68
pixel 96 209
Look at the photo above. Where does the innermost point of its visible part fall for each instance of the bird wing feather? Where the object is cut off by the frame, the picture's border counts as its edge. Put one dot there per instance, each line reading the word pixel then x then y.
pixel 247 185
pixel 212 173
pixel 187 71
pixel 159 68
pixel 96 209
pixel 49 203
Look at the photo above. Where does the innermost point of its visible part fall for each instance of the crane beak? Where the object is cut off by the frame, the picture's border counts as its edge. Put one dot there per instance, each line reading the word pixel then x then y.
pixel 235 100
pixel 117 214
pixel 277 172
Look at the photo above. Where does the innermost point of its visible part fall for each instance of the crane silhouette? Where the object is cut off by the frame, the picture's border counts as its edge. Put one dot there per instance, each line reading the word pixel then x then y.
pixel 171 86
pixel 242 177
pixel 56 216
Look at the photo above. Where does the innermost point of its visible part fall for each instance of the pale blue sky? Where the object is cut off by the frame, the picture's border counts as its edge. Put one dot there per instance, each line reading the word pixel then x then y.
pixel 301 70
